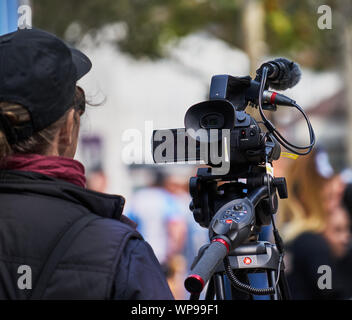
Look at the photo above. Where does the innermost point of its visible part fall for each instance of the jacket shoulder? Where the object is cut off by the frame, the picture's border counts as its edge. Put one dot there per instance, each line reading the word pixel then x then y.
pixel 100 243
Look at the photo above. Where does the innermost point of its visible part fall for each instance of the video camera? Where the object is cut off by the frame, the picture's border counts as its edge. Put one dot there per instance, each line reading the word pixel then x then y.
pixel 220 133
pixel 237 193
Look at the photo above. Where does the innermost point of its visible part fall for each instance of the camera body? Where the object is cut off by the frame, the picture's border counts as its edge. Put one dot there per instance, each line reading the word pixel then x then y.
pixel 218 131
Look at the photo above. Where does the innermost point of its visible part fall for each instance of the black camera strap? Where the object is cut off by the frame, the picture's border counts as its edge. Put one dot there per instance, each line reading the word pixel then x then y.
pixel 57 253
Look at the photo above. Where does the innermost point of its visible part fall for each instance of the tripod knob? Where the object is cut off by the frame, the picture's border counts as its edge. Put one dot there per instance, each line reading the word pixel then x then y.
pixel 191 206
pixel 197 214
pixel 281 186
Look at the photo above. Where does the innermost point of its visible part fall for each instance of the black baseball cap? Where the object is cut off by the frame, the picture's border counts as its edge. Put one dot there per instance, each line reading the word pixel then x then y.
pixel 39 71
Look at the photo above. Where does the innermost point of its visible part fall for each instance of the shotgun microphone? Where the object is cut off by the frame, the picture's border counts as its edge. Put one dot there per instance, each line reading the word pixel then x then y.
pixel 282 73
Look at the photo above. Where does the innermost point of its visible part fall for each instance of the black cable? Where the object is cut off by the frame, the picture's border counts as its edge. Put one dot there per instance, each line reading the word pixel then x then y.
pixel 243 286
pixel 289 145
pixel 311 131
pixel 286 144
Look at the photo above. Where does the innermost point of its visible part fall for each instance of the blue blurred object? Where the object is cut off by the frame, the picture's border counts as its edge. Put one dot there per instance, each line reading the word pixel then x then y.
pixel 8 16
pixel 259 280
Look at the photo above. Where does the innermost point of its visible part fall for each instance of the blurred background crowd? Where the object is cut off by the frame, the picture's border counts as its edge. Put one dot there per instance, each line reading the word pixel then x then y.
pixel 153 59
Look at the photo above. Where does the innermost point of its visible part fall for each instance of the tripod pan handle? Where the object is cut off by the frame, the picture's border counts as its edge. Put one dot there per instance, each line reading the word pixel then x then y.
pixel 206 265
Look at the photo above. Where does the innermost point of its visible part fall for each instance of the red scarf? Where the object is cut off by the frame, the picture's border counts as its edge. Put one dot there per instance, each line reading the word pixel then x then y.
pixel 63 168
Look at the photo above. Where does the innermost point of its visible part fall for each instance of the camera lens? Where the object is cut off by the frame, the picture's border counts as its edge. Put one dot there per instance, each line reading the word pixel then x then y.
pixel 212 121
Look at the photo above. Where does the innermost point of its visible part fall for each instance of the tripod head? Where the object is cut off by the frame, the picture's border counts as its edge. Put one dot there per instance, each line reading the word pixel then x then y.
pixel 210 201
pixel 234 212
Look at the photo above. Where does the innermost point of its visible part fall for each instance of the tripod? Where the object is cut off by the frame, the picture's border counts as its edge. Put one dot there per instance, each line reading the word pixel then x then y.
pixel 233 231
pixel 253 257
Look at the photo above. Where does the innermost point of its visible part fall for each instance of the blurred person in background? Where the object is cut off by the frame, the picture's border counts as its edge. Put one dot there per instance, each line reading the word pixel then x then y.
pixel 97 180
pixel 92 153
pixel 162 214
pixel 177 183
pixel 338 235
pixel 346 261
pixel 347 198
pixel 314 226
pixel 160 219
pixel 75 241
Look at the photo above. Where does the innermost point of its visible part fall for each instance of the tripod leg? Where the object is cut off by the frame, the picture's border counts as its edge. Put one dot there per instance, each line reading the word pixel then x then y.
pixel 284 288
pixel 237 294
pixel 210 290
pixel 271 281
pixel 219 287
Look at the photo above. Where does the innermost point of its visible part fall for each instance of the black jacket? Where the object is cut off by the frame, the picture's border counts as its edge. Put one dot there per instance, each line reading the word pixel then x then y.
pixel 305 254
pixel 107 260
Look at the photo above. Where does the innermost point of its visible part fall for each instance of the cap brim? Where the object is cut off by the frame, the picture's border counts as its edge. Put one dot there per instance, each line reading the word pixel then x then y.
pixel 81 62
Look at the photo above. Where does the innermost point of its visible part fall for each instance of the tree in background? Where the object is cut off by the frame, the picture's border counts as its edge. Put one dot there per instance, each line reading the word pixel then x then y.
pixel 290 25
